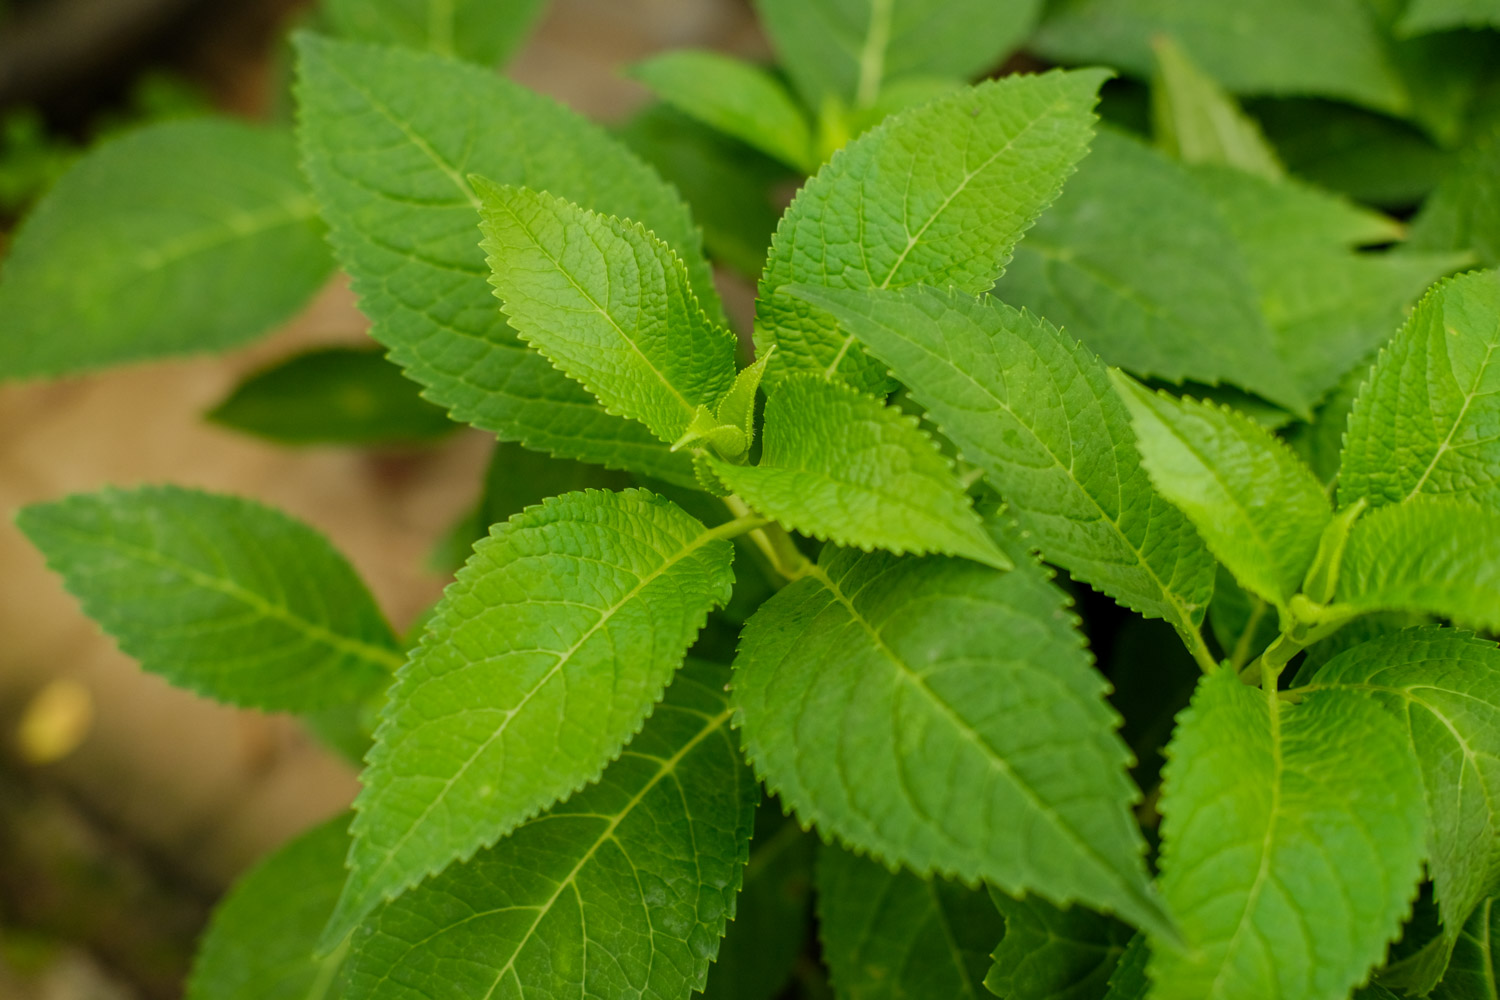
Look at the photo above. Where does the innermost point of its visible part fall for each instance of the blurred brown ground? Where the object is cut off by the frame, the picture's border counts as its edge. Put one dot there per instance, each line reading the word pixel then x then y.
pixel 194 791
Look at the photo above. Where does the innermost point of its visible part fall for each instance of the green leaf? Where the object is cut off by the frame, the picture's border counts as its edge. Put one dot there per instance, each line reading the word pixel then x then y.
pixel 259 945
pixel 1136 261
pixel 1292 841
pixel 773 915
pixel 1054 954
pixel 1258 508
pixel 1243 624
pixel 736 98
pixel 177 238
pixel 548 650
pixel 902 705
pixel 1427 422
pixel 1423 16
pixel 1129 981
pixel 1474 972
pixel 623 890
pixel 1431 554
pixel 843 466
pixel 219 595
pixel 936 196
pixel 1444 688
pixel 607 303
pixel 485 31
pixel 894 936
pixel 1463 213
pixel 847 51
pixel 1194 120
pixel 1037 413
pixel 332 395
pixel 389 137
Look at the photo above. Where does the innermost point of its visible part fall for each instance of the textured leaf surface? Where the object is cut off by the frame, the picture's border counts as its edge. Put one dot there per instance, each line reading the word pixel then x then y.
pixel 177 238
pixel 334 395
pixel 1292 841
pixel 936 196
pixel 1427 421
pixel 1474 972
pixel 736 98
pixel 906 705
pixel 1444 687
pixel 485 31
pixel 1429 554
pixel 847 50
pixel 1054 954
pixel 622 891
pixel 894 935
pixel 843 466
pixel 259 945
pixel 1129 981
pixel 1193 119
pixel 1259 509
pixel 1136 261
pixel 389 164
pixel 607 303
pixel 1036 411
pixel 544 656
pixel 1463 213
pixel 219 595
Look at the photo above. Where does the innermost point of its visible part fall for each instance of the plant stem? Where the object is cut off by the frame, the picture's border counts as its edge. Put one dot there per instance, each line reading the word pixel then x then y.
pixel 1196 645
pixel 771 538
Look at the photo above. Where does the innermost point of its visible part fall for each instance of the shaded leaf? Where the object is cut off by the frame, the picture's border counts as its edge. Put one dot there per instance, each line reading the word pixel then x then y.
pixel 1053 954
pixel 485 31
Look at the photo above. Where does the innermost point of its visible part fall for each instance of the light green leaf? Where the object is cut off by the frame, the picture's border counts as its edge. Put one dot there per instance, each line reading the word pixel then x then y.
pixel 1129 981
pixel 936 196
pixel 1463 212
pixel 1054 954
pixel 1427 422
pixel 736 98
pixel 1292 842
pixel 1423 16
pixel 332 395
pixel 177 238
pixel 1193 119
pixel 1444 688
pixel 389 160
pixel 548 650
pixel 1431 554
pixel 902 705
pixel 1474 972
pixel 1136 261
pixel 259 945
pixel 485 31
pixel 1037 413
pixel 846 51
pixel 894 936
pixel 607 303
pixel 219 595
pixel 623 890
pixel 1258 508
pixel 843 466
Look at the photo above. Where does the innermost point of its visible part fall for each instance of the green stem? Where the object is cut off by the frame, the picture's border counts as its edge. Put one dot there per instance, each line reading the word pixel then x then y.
pixel 1196 645
pixel 771 538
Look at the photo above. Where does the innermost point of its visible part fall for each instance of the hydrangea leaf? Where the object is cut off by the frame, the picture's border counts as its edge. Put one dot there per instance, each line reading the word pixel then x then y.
pixel 1136 261
pixel 389 166
pixel 259 945
pixel 1474 972
pixel 1463 212
pixel 936 196
pixel 1194 120
pixel 1258 508
pixel 847 51
pixel 606 302
pixel 623 890
pixel 843 466
pixel 219 595
pixel 543 657
pixel 484 31
pixel 1427 421
pixel 177 238
pixel 902 704
pixel 1431 554
pixel 1424 16
pixel 894 936
pixel 1035 410
pixel 1292 842
pixel 1049 953
pixel 1444 687
pixel 1129 980
pixel 736 98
